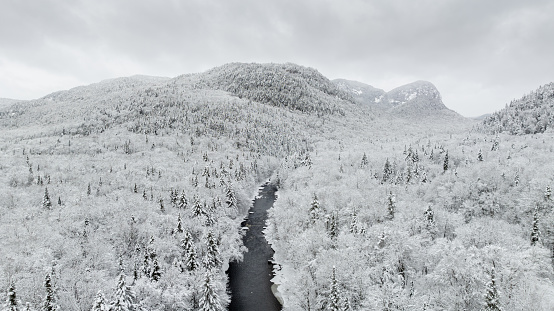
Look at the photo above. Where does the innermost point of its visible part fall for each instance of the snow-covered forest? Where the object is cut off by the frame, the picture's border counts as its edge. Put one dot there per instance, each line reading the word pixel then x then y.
pixel 129 194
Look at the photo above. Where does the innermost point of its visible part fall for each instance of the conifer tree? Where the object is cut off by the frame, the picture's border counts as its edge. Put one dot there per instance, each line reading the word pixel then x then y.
pixel 182 201
pixel 99 303
pixel 547 193
pixel 445 163
pixel 49 299
pixel 315 209
pixel 535 233
pixel 124 298
pixel 189 258
pixel 209 299
pixel 365 162
pixel 333 226
pixel 213 257
pixel 492 298
pixel 387 171
pixel 391 206
pixel 11 300
pixel 179 228
pixel 231 198
pixel 480 156
pixel 334 299
pixel 197 208
pixel 46 204
pixel 151 268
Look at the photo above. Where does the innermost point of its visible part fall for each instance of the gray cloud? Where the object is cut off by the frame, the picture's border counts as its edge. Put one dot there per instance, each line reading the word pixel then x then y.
pixel 480 54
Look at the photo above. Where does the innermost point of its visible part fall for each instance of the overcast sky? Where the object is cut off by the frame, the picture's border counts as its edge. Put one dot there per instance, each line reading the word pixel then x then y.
pixel 479 54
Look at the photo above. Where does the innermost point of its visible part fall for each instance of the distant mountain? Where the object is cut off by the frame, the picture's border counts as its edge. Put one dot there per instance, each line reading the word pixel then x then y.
pixel 531 114
pixel 6 102
pixel 420 98
pixel 361 92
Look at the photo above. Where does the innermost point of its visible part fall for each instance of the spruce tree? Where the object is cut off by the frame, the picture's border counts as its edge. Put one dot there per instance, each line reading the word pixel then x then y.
pixel 46 204
pixel 11 301
pixel 547 193
pixel 334 299
pixel 492 298
pixel 387 171
pixel 197 209
pixel 182 201
pixel 315 209
pixel 179 228
pixel 365 162
pixel 212 259
pixel 209 299
pixel 99 303
pixel 124 298
pixel 189 259
pixel 49 299
pixel 480 156
pixel 445 164
pixel 535 232
pixel 391 206
pixel 231 198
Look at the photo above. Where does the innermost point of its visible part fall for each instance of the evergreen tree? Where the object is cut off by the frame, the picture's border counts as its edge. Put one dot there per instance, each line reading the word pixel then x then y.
pixel 535 233
pixel 230 198
pixel 179 228
pixel 480 156
pixel 89 190
pixel 197 208
pixel 445 164
pixel 387 171
pixel 209 299
pixel 213 257
pixel 391 206
pixel 151 268
pixel 182 201
pixel 492 298
pixel 333 226
pixel 11 301
pixel 124 298
pixel 49 299
pixel 365 162
pixel 189 258
pixel 315 209
pixel 99 303
pixel 334 299
pixel 46 204
pixel 547 193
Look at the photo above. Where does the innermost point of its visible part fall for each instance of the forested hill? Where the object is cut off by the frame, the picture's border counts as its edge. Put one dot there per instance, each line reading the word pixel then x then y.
pixel 281 85
pixel 531 114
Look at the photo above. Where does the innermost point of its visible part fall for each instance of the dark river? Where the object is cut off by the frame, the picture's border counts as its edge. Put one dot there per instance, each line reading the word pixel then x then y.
pixel 249 280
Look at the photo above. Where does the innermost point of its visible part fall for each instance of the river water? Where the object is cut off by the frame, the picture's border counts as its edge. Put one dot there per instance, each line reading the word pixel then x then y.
pixel 250 280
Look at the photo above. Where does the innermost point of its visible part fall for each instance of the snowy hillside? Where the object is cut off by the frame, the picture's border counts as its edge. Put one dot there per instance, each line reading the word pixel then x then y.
pixel 531 114
pixel 141 184
pixel 362 93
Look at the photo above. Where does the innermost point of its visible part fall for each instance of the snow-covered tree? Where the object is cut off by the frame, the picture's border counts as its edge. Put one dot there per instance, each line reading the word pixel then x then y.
pixel 209 299
pixel 12 304
pixel 99 303
pixel 547 193
pixel 183 202
pixel 46 203
pixel 189 261
pixel 212 259
pixel 315 210
pixel 197 208
pixel 231 198
pixel 334 298
pixel 151 268
pixel 480 156
pixel 535 232
pixel 50 299
pixel 124 297
pixel 445 163
pixel 364 162
pixel 387 171
pixel 179 228
pixel 391 205
pixel 492 297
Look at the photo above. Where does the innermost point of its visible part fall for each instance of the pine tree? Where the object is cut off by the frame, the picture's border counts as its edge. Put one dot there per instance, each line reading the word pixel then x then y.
pixel 492 298
pixel 197 209
pixel 124 298
pixel 315 209
pixel 99 303
pixel 445 164
pixel 535 233
pixel 49 299
pixel 11 301
pixel 387 171
pixel 230 198
pixel 213 257
pixel 334 299
pixel 547 193
pixel 391 206
pixel 46 204
pixel 333 226
pixel 182 201
pixel 189 258
pixel 365 162
pixel 151 268
pixel 179 228
pixel 209 299
pixel 480 156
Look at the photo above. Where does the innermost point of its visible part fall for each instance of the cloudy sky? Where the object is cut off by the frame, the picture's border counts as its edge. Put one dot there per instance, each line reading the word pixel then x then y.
pixel 479 54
